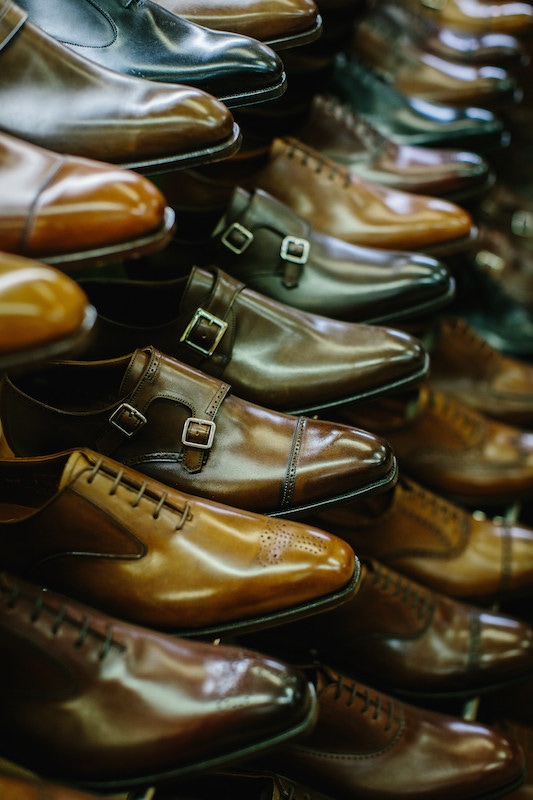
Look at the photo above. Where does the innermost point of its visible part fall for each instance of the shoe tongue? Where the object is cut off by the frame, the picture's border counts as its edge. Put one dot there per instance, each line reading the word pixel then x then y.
pixel 77 462
pixel 135 370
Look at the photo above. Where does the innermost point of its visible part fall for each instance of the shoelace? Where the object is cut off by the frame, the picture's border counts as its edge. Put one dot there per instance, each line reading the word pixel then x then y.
pixel 433 505
pixel 323 164
pixel 369 700
pixel 343 114
pixel 417 597
pixel 464 331
pixel 160 501
pixel 463 419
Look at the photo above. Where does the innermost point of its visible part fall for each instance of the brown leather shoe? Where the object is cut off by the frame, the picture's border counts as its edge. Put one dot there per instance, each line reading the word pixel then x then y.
pixel 101 704
pixel 470 556
pixel 409 641
pixel 477 16
pixel 346 137
pixel 464 365
pixel 44 313
pixel 278 23
pixel 110 537
pixel 451 448
pixel 523 735
pixel 370 746
pixel 186 429
pixel 54 98
pixel 270 353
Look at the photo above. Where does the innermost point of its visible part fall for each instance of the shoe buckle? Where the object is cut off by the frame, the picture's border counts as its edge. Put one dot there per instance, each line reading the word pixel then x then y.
pixel 237 238
pixel 196 428
pixel 484 258
pixel 522 224
pixel 200 315
pixel 127 419
pixel 294 249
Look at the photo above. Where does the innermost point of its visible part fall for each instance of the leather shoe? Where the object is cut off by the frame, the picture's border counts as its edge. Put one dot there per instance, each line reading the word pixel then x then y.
pixel 71 212
pixel 271 354
pixel 55 98
pixel 44 313
pixel 451 448
pixel 408 640
pixel 372 746
pixel 144 40
pixel 103 705
pixel 471 556
pixel 108 536
pixel 186 429
pixel 477 16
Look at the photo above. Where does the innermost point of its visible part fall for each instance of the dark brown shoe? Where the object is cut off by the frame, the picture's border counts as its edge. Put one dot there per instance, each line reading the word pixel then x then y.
pixel 477 16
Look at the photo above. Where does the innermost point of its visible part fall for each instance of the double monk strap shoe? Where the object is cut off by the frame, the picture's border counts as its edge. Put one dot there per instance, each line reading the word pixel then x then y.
pixel 103 705
pixel 477 16
pixel 372 746
pixel 271 354
pixel 136 549
pixel 451 448
pixel 143 39
pixel 44 313
pixel 187 429
pixel 57 99
pixel 470 556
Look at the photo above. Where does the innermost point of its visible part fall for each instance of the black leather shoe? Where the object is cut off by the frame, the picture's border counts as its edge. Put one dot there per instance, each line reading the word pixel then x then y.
pixel 145 40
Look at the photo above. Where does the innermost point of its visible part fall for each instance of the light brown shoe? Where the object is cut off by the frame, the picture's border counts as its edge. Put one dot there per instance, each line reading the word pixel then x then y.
pixel 477 16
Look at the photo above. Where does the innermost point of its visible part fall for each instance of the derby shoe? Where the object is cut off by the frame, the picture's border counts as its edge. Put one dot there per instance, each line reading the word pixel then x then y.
pixel 72 211
pixel 104 705
pixel 371 746
pixel 451 448
pixel 131 547
pixel 270 353
pixel 184 428
pixel 44 313
pixel 477 16
pixel 470 556
pixel 144 40
pixel 408 640
pixel 55 98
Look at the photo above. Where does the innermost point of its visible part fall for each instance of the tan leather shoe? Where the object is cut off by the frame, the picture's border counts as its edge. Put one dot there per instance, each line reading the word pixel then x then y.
pixel 467 555
pixel 103 705
pixel 408 640
pixel 43 313
pixel 187 429
pixel 52 97
pixel 477 16
pixel 452 449
pixel 134 548
pixel 371 746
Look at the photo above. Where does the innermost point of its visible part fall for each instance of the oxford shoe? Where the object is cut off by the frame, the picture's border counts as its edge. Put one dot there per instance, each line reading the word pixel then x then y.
pixel 270 353
pixel 145 40
pixel 372 746
pixel 477 16
pixel 186 429
pixel 136 549
pixel 466 366
pixel 451 448
pixel 44 313
pixel 408 640
pixel 471 556
pixel 343 135
pixel 72 212
pixel 59 100
pixel 409 120
pixel 279 23
pixel 100 704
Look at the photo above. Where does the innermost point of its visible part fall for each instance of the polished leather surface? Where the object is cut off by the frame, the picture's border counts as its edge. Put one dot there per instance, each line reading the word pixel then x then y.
pixel 45 314
pixel 52 97
pixel 479 16
pixel 100 703
pixel 412 121
pixel 270 353
pixel 60 208
pixel 523 734
pixel 131 547
pixel 233 451
pixel 278 23
pixel 144 40
pixel 346 137
pixel 464 365
pixel 451 448
pixel 408 640
pixel 471 556
pixel 372 746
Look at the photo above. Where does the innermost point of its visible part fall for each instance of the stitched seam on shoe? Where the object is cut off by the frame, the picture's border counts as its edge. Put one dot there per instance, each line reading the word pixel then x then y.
pixel 474 649
pixel 290 477
pixel 32 211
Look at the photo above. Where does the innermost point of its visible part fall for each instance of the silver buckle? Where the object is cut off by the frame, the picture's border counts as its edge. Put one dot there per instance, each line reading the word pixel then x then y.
pixel 294 241
pixel 522 223
pixel 184 434
pixel 134 417
pixel 199 314
pixel 247 238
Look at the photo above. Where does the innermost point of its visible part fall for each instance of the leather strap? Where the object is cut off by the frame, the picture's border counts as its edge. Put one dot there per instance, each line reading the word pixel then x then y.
pixel 12 18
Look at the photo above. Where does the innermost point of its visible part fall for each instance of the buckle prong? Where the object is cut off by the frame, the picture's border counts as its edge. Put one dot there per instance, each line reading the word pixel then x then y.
pixel 197 421
pixel 201 314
